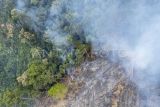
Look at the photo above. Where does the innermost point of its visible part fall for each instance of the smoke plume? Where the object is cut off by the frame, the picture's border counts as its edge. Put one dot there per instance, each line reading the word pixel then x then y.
pixel 129 25
pixel 133 26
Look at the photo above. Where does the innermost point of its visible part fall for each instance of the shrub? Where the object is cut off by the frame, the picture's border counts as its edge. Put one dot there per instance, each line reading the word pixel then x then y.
pixel 58 91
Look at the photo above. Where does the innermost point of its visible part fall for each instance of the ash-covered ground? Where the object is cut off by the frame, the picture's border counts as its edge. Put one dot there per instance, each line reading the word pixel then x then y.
pixel 104 83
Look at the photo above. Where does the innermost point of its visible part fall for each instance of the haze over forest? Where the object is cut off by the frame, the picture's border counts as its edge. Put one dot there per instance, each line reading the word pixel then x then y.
pixel 103 52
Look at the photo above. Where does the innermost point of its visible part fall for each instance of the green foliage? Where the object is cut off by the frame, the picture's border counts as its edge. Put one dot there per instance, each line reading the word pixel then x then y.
pixel 15 15
pixel 11 97
pixel 17 97
pixel 30 64
pixel 82 51
pixel 37 75
pixel 6 6
pixel 34 2
pixel 58 91
pixel 37 53
pixel 26 37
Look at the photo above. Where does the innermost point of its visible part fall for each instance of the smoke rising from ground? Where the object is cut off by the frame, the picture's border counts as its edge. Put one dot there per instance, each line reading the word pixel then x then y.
pixel 127 25
pixel 47 16
pixel 133 26
pixel 130 25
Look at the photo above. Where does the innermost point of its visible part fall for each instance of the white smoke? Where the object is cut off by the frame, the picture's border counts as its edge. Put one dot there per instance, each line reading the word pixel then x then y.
pixel 131 25
pixel 20 4
pixel 52 14
pixel 53 23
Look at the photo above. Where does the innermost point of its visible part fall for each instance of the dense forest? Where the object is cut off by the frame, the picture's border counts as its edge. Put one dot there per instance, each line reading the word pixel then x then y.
pixel 31 63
